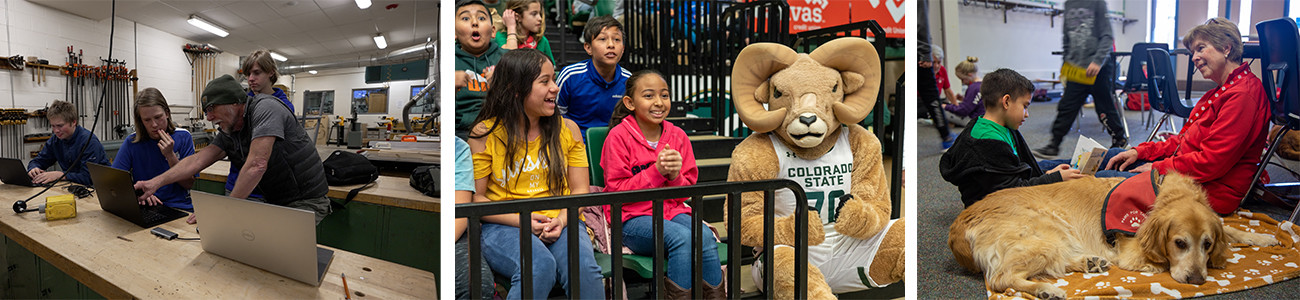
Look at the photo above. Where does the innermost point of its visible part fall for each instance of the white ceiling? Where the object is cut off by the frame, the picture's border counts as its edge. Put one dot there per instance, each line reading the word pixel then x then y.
pixel 313 31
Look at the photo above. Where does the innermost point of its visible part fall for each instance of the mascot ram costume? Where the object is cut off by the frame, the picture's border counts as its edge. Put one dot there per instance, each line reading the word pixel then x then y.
pixel 808 133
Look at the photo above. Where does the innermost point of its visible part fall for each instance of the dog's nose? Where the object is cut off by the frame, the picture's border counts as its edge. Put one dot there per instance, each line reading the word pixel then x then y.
pixel 807 120
pixel 1195 279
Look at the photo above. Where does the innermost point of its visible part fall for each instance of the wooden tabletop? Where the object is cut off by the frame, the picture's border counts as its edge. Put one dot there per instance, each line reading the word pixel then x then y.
pixel 389 190
pixel 138 265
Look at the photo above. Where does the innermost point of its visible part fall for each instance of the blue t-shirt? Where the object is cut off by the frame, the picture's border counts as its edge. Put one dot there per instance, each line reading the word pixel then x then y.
pixel 64 151
pixel 464 167
pixel 145 162
pixel 586 98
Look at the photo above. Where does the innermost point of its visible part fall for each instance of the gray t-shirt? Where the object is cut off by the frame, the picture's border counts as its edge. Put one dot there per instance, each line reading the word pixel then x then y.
pixel 294 170
pixel 1088 37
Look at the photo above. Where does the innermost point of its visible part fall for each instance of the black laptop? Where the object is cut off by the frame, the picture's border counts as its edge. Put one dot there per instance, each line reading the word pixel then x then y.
pixel 117 194
pixel 12 171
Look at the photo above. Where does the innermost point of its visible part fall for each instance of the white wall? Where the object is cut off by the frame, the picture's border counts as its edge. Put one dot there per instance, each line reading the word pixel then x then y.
pixel 1024 42
pixel 32 30
pixel 342 81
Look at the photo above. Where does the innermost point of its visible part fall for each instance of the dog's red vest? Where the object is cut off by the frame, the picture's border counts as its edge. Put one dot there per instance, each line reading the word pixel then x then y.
pixel 1127 204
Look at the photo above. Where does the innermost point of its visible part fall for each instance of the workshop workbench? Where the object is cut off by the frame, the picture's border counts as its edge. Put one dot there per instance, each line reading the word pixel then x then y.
pixel 117 259
pixel 390 220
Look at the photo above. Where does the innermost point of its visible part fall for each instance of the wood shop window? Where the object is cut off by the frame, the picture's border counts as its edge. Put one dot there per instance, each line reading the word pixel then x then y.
pixel 425 104
pixel 318 102
pixel 370 101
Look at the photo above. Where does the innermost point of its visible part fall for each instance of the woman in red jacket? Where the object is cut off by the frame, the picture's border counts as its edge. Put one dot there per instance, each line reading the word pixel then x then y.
pixel 644 151
pixel 1221 143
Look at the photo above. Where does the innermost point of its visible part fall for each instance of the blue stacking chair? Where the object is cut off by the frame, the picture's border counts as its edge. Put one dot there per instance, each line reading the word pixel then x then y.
pixel 1279 41
pixel 1162 90
pixel 1136 79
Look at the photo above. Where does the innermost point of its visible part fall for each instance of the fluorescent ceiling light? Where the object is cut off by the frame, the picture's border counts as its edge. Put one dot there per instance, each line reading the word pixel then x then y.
pixel 313 72
pixel 205 25
pixel 278 57
pixel 363 4
pixel 380 42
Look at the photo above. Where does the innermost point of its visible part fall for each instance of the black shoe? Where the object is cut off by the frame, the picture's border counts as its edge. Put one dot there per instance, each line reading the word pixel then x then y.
pixel 1049 151
pixel 1121 143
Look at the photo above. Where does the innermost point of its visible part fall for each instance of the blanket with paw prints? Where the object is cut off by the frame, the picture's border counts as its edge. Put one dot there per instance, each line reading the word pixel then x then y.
pixel 1249 267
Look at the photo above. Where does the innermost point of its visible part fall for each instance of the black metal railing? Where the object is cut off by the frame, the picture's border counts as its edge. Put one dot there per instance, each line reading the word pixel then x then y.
pixel 475 211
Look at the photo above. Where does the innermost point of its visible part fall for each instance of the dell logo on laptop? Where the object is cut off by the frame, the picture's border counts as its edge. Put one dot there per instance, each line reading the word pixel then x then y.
pixel 248 235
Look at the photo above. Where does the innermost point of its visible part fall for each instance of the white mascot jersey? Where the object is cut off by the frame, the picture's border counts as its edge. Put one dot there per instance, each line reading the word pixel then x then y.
pixel 824 181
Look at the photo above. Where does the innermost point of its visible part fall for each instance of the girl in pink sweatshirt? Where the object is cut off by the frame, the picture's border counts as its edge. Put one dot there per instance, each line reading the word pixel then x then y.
pixel 644 151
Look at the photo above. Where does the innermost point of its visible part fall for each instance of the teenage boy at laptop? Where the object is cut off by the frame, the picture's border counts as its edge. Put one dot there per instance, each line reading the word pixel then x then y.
pixel 263 139
pixel 68 142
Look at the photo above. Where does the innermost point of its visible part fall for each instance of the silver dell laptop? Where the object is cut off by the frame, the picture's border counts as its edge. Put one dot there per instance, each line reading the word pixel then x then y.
pixel 274 238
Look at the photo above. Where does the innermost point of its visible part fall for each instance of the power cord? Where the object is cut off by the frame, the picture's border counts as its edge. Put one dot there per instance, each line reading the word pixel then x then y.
pixel 79 191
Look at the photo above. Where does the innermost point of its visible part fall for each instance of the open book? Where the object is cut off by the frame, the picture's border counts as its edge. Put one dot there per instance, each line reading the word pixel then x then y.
pixel 1088 155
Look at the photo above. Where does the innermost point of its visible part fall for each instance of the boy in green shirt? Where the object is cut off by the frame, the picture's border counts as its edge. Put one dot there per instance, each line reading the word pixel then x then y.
pixel 990 154
pixel 476 57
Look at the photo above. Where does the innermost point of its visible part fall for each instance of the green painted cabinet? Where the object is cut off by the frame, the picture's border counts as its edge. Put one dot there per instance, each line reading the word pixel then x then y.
pixel 28 276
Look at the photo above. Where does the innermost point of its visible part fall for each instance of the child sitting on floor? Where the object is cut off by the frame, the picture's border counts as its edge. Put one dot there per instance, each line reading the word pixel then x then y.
pixel 990 154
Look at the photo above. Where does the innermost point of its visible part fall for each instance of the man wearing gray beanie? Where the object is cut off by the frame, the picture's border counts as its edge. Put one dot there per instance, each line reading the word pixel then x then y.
pixel 265 142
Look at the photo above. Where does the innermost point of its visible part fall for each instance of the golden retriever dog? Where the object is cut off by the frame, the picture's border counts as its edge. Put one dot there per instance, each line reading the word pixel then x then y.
pixel 1042 232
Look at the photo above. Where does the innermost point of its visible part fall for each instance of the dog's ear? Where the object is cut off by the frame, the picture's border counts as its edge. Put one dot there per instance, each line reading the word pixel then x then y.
pixel 1219 251
pixel 1153 237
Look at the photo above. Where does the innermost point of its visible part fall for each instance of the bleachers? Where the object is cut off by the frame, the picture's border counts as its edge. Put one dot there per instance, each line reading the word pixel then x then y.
pixel 693 43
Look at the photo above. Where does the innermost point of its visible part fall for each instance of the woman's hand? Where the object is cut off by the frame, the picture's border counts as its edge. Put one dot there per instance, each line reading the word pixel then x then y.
pixel 1143 168
pixel 539 223
pixel 1122 160
pixel 551 233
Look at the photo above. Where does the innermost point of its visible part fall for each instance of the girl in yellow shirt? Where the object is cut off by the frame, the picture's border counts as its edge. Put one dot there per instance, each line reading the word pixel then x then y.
pixel 523 149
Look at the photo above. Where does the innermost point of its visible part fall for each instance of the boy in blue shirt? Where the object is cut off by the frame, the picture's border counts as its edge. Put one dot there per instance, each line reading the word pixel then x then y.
pixel 590 89
pixel 990 154
pixel 68 142
pixel 155 147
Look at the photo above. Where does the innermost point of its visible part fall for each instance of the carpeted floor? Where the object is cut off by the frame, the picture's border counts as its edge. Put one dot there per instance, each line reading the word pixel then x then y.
pixel 938 203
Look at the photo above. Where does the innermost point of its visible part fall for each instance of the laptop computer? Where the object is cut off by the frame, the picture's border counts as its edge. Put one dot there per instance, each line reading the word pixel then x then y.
pixel 274 238
pixel 117 194
pixel 12 171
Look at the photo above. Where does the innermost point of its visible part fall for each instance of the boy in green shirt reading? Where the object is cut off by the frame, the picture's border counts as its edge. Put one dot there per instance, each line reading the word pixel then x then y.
pixel 990 154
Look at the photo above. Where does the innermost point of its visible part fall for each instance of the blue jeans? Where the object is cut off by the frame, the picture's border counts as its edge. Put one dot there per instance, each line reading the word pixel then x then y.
pixel 550 262
pixel 1049 164
pixel 639 235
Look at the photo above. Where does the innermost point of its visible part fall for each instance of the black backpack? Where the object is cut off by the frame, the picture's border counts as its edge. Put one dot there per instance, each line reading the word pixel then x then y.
pixel 425 180
pixel 348 168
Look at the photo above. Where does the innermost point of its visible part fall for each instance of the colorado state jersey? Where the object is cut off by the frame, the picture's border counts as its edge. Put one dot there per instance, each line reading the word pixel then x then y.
pixel 824 180
pixel 843 260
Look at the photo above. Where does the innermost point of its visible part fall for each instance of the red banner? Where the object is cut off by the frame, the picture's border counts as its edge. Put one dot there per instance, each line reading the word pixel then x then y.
pixel 808 15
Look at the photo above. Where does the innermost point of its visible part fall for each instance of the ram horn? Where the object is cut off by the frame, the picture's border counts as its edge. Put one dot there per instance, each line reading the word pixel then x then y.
pixel 859 65
pixel 749 83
